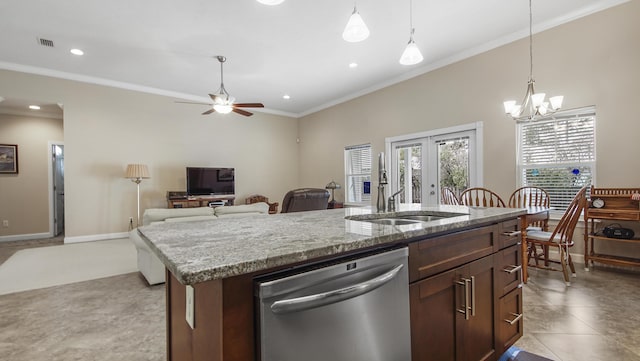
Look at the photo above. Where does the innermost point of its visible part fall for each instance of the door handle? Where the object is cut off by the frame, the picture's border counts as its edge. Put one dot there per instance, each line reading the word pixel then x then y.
pixel 326 298
pixel 467 297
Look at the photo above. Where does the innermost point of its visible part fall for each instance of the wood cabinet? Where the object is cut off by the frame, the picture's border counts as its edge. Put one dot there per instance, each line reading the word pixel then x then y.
pixel 459 313
pixel 464 293
pixel 618 206
pixel 200 201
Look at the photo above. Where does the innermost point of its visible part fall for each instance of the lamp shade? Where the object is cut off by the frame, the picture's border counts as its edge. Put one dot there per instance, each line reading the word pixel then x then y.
pixel 411 54
pixel 356 30
pixel 271 2
pixel 137 171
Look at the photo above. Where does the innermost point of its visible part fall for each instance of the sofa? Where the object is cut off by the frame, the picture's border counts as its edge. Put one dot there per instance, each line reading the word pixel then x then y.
pixel 149 264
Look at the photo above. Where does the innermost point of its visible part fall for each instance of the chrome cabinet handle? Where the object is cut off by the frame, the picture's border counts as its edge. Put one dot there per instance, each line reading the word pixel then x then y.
pixel 467 298
pixel 513 322
pixel 326 298
pixel 513 269
pixel 511 234
pixel 473 296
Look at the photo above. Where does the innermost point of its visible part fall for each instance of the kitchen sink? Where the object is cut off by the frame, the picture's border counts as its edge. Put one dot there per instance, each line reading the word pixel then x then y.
pixel 403 218
pixel 393 221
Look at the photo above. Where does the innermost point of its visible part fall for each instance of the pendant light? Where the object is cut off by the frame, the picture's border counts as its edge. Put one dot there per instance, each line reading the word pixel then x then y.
pixel 533 104
pixel 356 30
pixel 411 54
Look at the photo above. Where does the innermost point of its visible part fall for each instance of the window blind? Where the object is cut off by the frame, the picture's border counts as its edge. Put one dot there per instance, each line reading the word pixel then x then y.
pixel 358 173
pixel 558 154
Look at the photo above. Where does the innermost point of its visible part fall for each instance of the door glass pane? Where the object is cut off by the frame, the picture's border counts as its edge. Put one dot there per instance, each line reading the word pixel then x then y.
pixel 410 173
pixel 453 159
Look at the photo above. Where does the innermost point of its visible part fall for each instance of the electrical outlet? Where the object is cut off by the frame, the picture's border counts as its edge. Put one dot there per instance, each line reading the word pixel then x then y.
pixel 5 223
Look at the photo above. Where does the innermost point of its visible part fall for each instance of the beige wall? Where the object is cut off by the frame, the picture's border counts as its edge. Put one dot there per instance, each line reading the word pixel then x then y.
pixel 591 61
pixel 24 197
pixel 105 128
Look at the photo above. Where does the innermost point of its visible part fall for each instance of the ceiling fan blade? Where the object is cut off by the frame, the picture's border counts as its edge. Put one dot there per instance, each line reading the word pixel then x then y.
pixel 209 111
pixel 242 112
pixel 249 105
pixel 193 103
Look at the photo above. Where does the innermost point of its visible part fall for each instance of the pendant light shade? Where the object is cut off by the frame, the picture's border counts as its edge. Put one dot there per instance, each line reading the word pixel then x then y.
pixel 411 54
pixel 356 30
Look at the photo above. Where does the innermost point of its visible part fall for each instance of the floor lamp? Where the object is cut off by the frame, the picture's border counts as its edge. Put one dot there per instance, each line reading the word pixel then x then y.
pixel 137 172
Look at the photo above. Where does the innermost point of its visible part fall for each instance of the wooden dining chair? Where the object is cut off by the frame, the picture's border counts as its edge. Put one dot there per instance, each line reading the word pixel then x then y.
pixel 562 236
pixel 448 196
pixel 480 197
pixel 533 197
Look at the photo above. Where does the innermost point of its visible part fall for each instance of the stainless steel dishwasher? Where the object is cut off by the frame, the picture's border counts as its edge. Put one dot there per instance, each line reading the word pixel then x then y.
pixel 354 310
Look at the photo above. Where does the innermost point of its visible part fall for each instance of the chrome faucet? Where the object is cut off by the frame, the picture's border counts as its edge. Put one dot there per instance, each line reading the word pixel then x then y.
pixel 392 200
pixel 382 182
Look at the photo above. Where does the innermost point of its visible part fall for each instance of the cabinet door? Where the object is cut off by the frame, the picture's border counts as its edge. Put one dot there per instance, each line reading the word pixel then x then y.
pixel 452 314
pixel 475 336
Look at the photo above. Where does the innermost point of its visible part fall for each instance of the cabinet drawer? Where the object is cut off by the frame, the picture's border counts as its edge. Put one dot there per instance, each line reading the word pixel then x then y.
pixel 619 214
pixel 509 320
pixel 435 255
pixel 509 234
pixel 509 268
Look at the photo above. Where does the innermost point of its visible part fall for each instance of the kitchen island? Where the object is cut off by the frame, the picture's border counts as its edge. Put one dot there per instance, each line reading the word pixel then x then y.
pixel 219 261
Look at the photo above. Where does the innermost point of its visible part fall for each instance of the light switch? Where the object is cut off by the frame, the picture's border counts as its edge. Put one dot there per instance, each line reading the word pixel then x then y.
pixel 190 306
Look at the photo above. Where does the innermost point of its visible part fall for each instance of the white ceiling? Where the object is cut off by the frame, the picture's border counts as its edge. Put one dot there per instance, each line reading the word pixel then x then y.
pixel 296 48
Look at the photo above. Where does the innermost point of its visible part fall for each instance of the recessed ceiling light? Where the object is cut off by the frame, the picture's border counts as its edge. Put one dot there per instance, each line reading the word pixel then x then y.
pixel 34 107
pixel 77 52
pixel 271 2
pixel 353 65
pixel 286 96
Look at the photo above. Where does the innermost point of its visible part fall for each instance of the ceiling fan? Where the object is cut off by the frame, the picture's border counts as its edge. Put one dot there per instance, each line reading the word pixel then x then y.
pixel 223 103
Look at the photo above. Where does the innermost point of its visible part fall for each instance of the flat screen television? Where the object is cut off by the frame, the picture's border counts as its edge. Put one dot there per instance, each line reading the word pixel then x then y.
pixel 210 181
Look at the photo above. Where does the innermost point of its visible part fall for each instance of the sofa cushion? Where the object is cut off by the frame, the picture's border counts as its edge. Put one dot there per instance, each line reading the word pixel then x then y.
pixel 255 208
pixel 160 214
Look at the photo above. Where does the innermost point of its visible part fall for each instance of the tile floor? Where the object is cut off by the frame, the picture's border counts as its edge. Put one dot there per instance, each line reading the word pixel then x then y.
pixel 121 318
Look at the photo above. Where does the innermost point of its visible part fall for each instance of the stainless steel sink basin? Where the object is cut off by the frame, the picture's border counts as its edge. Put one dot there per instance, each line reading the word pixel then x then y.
pixel 392 221
pixel 425 218
pixel 403 218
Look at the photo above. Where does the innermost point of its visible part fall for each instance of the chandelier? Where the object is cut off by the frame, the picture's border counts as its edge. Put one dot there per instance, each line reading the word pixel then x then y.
pixel 534 104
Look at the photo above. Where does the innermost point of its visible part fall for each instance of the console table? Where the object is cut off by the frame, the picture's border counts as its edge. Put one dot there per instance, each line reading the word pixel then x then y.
pixel 200 201
pixel 618 206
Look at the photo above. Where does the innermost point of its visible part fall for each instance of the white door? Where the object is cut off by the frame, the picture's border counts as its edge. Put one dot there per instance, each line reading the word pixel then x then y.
pixel 423 163
pixel 57 166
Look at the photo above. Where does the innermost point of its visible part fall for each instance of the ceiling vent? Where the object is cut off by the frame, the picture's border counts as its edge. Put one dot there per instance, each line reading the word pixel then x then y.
pixel 45 42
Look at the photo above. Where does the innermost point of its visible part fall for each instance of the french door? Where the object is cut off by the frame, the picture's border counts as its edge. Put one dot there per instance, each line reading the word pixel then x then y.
pixel 423 163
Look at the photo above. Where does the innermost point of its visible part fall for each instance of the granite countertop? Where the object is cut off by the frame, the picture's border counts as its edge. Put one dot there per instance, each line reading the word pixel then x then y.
pixel 200 251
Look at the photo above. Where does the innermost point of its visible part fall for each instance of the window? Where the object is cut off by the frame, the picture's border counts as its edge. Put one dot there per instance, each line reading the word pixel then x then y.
pixel 357 162
pixel 558 154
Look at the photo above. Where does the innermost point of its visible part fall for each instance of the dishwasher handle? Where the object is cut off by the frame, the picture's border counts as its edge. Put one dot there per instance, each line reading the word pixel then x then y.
pixel 325 298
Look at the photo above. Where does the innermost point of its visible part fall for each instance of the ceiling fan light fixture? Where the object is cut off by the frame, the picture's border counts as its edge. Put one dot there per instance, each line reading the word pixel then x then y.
pixel 223 108
pixel 356 30
pixel 411 54
pixel 271 2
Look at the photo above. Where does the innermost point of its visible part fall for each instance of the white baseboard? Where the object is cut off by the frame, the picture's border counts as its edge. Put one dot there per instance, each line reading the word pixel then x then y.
pixel 96 237
pixel 23 237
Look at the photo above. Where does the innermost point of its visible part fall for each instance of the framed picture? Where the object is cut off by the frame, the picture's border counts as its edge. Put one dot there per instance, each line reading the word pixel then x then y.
pixel 8 159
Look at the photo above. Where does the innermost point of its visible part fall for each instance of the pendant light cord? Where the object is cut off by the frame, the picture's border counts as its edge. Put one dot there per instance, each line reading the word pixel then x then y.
pixel 411 17
pixel 530 42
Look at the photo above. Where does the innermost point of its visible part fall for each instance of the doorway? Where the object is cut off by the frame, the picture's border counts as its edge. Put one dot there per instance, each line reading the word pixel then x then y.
pixel 56 188
pixel 423 163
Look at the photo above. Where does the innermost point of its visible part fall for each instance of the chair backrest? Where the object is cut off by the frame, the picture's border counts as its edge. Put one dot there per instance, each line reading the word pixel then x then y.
pixel 305 199
pixel 531 196
pixel 448 196
pixel 480 197
pixel 567 224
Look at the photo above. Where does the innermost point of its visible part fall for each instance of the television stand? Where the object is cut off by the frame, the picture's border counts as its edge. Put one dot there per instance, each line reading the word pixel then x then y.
pixel 200 201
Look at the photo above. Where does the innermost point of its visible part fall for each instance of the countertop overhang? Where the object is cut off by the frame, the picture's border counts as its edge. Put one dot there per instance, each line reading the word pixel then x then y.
pixel 201 251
